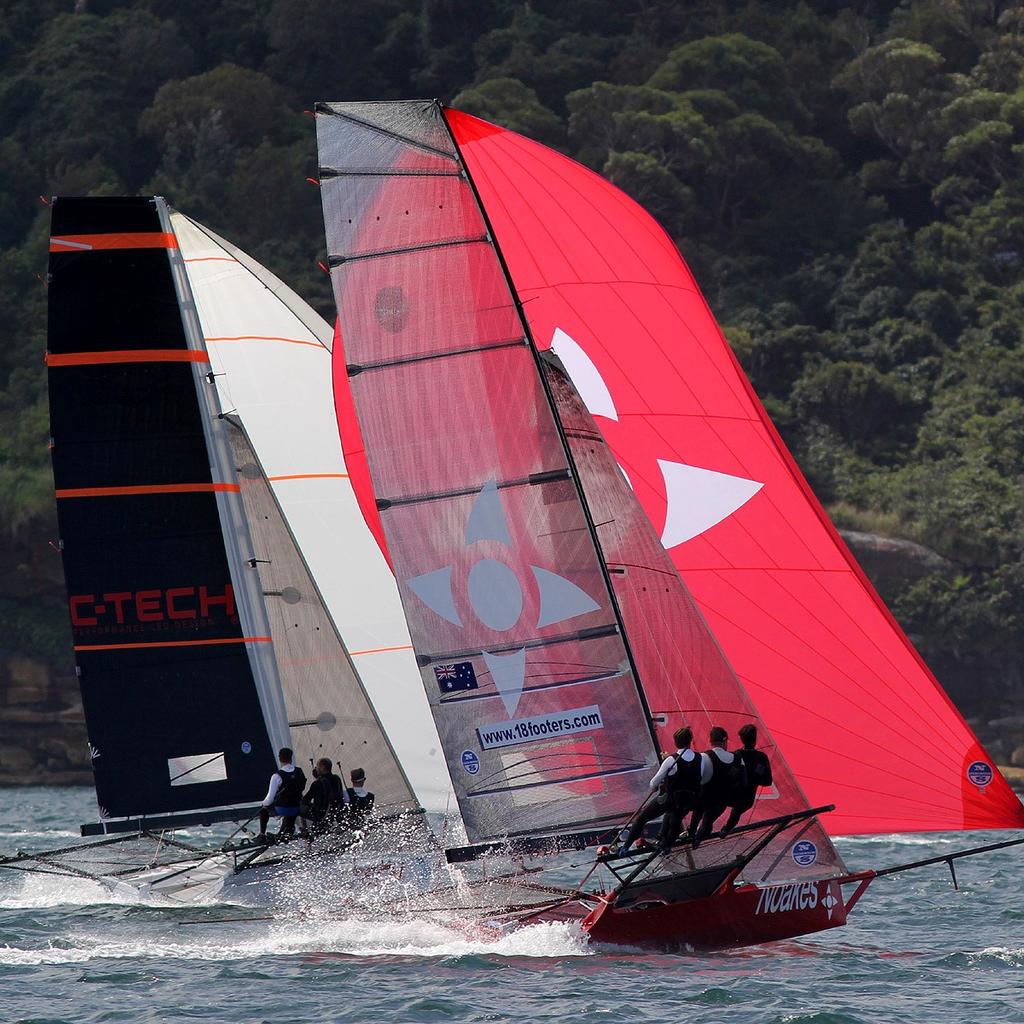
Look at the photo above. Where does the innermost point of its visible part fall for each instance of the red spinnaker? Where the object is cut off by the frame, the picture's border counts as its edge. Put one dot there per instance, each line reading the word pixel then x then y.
pixel 860 718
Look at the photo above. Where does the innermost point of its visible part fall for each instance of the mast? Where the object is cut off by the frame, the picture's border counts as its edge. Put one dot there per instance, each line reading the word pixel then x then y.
pixel 570 459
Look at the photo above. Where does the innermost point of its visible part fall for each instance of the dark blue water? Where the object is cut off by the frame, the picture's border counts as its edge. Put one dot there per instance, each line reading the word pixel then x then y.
pixel 914 951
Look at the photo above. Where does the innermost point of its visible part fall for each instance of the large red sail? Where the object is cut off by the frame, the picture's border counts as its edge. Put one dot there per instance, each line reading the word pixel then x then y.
pixel 861 720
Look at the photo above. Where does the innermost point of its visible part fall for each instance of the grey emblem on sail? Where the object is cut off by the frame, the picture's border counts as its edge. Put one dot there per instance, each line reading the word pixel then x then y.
pixel 495 594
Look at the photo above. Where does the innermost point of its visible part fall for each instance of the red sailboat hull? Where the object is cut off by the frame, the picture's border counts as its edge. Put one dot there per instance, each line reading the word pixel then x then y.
pixel 743 915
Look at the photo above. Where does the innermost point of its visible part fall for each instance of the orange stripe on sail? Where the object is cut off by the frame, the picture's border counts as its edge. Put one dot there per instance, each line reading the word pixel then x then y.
pixel 310 476
pixel 140 355
pixel 211 259
pixel 125 240
pixel 382 650
pixel 173 643
pixel 117 492
pixel 270 337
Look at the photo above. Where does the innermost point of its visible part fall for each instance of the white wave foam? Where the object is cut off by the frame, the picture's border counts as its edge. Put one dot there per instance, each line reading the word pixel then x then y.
pixel 32 892
pixel 897 839
pixel 351 937
pixel 1013 957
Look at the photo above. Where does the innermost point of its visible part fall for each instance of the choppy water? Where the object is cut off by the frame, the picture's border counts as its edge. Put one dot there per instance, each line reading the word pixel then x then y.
pixel 914 951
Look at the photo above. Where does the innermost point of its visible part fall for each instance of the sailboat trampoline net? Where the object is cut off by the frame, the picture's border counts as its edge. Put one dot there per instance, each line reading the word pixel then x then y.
pixel 105 860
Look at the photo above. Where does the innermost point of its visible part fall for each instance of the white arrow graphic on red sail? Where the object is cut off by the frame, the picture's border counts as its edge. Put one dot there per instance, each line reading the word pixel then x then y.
pixel 696 498
pixel 699 498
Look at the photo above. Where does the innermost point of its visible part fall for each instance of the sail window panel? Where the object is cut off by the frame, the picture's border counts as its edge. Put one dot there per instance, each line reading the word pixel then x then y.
pixel 423 302
pixel 191 769
pixel 329 713
pixel 380 214
pixel 453 424
pixel 379 137
pixel 111 299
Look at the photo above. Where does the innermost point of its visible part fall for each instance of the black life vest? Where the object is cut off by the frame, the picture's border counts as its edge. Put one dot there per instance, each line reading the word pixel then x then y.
pixel 728 780
pixel 685 780
pixel 759 768
pixel 325 793
pixel 293 784
pixel 360 804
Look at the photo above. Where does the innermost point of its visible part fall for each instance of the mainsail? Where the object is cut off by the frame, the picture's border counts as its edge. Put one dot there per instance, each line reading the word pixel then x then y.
pixel 181 711
pixel 202 639
pixel 838 683
pixel 513 623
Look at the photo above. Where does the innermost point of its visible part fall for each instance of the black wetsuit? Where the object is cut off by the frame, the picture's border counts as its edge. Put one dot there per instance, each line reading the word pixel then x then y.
pixel 324 800
pixel 759 773
pixel 358 808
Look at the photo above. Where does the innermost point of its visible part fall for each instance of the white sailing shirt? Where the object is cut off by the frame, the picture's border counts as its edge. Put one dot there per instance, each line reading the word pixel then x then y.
pixel 668 767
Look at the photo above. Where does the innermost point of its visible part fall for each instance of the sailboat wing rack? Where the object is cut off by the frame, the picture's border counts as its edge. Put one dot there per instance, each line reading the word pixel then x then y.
pixel 543 845
pixel 170 821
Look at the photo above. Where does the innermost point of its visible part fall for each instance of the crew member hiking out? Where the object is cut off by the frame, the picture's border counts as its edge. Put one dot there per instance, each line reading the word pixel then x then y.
pixel 325 798
pixel 284 796
pixel 728 780
pixel 677 784
pixel 759 773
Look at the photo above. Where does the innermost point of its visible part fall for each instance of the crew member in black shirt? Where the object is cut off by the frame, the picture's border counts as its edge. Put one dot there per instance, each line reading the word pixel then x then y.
pixel 284 795
pixel 728 777
pixel 759 773
pixel 325 797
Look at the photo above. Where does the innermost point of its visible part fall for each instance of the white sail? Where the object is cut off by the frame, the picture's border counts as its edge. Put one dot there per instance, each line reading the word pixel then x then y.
pixel 270 353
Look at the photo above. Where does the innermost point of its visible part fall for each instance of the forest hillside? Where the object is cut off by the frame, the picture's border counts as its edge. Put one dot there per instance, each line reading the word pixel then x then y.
pixel 846 181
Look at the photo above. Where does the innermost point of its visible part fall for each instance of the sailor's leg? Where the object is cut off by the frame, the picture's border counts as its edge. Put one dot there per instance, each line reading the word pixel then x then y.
pixel 264 820
pixel 654 809
pixel 670 825
pixel 707 823
pixel 735 813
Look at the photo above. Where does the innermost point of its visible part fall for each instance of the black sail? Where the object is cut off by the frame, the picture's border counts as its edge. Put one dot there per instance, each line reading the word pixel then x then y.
pixel 174 716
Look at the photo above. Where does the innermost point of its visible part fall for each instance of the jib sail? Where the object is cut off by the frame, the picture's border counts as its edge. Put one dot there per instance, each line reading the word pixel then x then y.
pixel 182 704
pixel 520 649
pixel 835 678
pixel 332 604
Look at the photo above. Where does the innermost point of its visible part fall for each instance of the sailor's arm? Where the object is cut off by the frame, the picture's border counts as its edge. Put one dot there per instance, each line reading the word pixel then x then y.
pixel 662 772
pixel 275 785
pixel 707 769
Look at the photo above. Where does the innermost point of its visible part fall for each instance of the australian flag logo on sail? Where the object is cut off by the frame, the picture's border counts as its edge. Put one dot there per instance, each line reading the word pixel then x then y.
pixel 459 676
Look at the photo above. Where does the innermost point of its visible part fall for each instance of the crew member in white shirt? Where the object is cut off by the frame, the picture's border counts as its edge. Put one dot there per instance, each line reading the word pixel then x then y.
pixel 677 783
